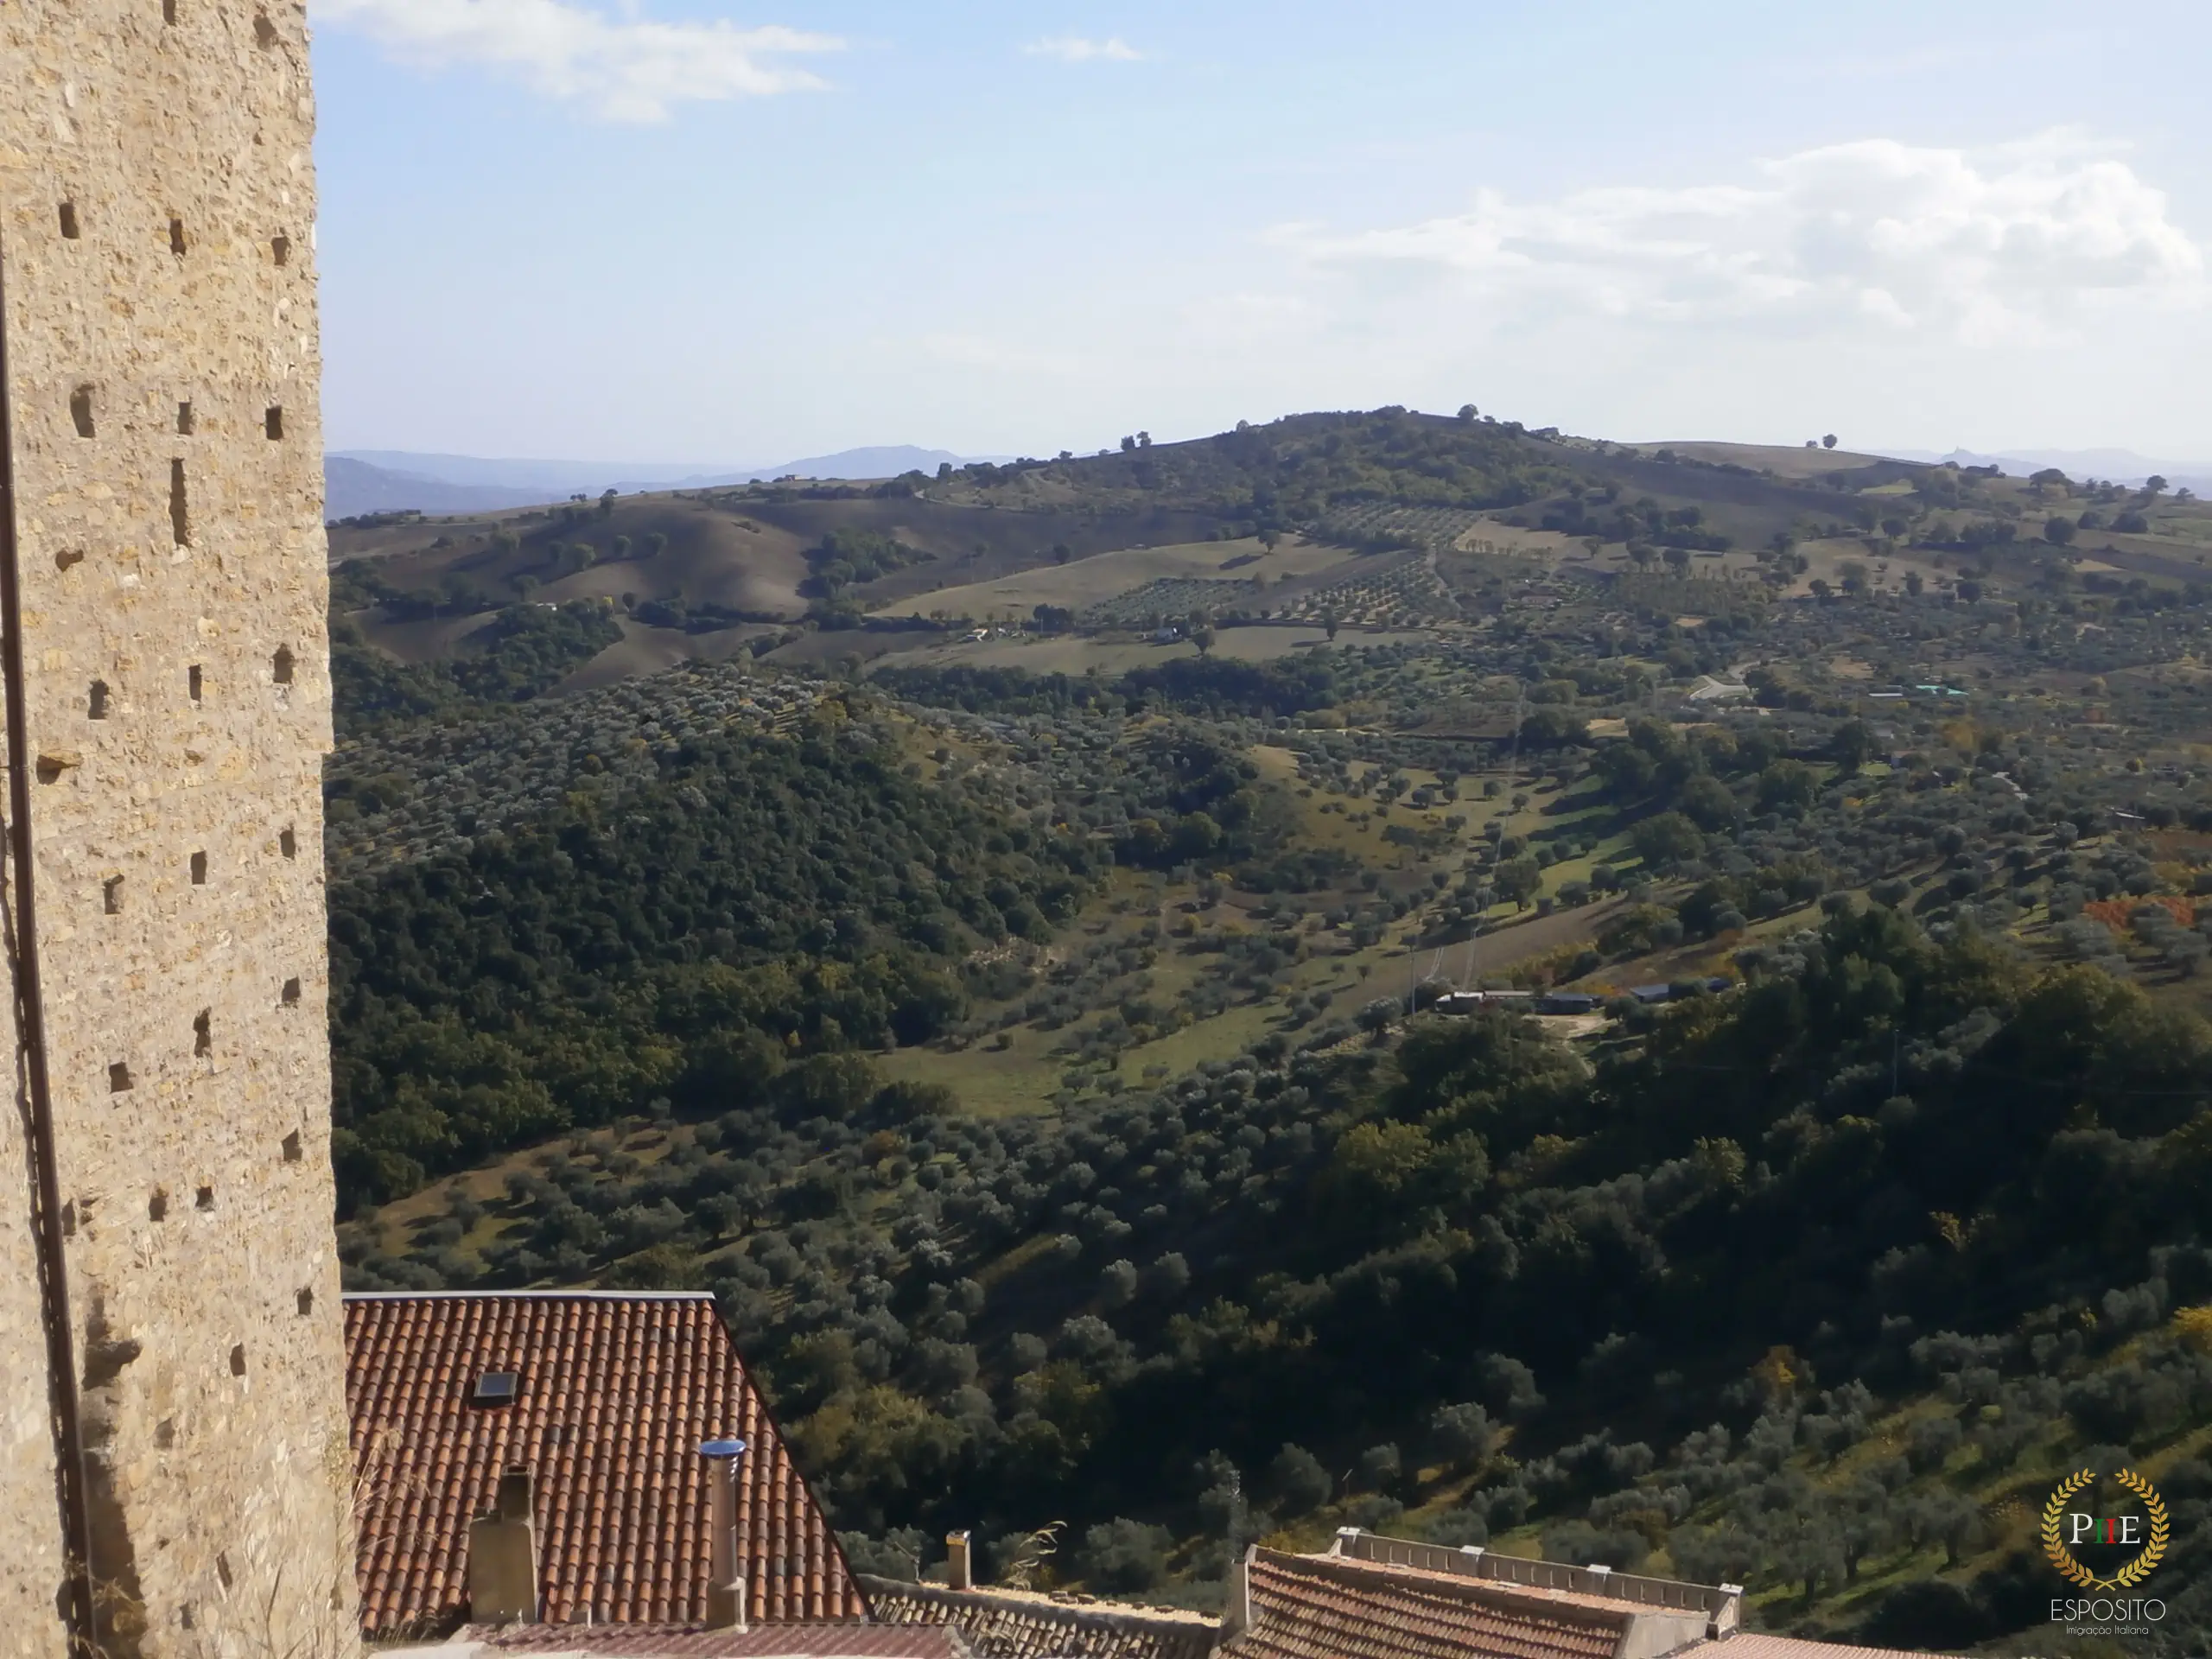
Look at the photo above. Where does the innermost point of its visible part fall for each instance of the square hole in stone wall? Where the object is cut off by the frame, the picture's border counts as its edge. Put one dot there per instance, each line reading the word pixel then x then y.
pixel 81 410
pixel 192 681
pixel 306 1303
pixel 157 1207
pixel 272 420
pixel 238 1369
pixel 203 1034
pixel 292 1147
pixel 95 700
pixel 118 1077
pixel 199 869
pixel 69 220
pixel 112 895
pixel 291 992
pixel 280 665
pixel 204 1198
pixel 184 419
pixel 176 237
pixel 280 249
pixel 287 843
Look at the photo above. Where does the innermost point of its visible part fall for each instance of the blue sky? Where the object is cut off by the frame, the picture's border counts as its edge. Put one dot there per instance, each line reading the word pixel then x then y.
pixel 694 230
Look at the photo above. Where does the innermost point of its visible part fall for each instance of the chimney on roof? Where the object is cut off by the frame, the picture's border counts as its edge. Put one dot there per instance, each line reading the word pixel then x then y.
pixel 726 1596
pixel 1727 1615
pixel 1237 1604
pixel 502 1557
pixel 959 1569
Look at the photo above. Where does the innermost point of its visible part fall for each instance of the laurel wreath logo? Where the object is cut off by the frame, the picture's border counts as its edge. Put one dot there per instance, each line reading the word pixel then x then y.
pixel 2153 1551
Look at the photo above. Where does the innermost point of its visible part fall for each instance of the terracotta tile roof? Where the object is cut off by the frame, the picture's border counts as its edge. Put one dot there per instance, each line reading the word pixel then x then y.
pixel 1326 1607
pixel 1016 1624
pixel 614 1394
pixel 1758 1644
pixel 1672 1612
pixel 691 1642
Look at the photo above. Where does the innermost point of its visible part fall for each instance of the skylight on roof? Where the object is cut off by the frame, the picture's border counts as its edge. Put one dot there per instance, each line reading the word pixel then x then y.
pixel 495 1388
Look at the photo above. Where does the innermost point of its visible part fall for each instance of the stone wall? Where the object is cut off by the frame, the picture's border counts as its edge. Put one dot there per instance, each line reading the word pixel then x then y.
pixel 32 1567
pixel 157 226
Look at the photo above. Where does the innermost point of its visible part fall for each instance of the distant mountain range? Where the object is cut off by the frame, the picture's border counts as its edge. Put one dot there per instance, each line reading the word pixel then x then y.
pixel 2120 465
pixel 389 480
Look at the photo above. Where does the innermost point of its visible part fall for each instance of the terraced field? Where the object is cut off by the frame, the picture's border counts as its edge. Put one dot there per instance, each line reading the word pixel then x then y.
pixel 1392 591
pixel 1411 526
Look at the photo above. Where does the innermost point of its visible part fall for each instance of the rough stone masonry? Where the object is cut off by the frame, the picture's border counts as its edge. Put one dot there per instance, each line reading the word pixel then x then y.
pixel 157 250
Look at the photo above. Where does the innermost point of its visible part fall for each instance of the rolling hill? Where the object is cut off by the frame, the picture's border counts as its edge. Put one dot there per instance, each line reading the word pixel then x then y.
pixel 735 560
pixel 707 572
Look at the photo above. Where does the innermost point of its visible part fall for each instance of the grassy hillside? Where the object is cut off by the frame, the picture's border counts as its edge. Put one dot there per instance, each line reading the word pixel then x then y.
pixel 703 573
pixel 1082 558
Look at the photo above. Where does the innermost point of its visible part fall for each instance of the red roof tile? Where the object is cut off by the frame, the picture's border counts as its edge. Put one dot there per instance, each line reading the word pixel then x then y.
pixel 1326 1607
pixel 1758 1644
pixel 1013 1624
pixel 615 1393
pixel 691 1642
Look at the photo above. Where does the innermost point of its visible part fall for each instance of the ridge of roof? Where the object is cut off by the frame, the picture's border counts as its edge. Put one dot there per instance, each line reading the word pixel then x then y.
pixel 839 1640
pixel 1574 1606
pixel 523 1295
pixel 1101 1614
pixel 1721 1603
pixel 1770 1645
pixel 1326 1607
pixel 1018 1624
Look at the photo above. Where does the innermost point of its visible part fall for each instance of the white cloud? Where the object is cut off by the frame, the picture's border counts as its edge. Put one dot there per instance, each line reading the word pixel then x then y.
pixel 1075 48
pixel 2005 244
pixel 625 69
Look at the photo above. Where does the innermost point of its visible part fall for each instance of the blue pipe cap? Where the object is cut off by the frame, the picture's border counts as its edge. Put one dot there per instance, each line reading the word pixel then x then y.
pixel 722 1449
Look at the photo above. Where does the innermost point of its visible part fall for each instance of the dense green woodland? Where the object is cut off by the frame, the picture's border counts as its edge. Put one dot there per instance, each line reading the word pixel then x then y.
pixel 756 897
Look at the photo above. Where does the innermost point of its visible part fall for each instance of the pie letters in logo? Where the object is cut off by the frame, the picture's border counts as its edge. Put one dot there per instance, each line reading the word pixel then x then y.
pixel 2135 1543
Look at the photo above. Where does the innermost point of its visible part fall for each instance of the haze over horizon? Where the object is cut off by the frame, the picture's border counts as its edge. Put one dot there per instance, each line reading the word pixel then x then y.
pixel 679 229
